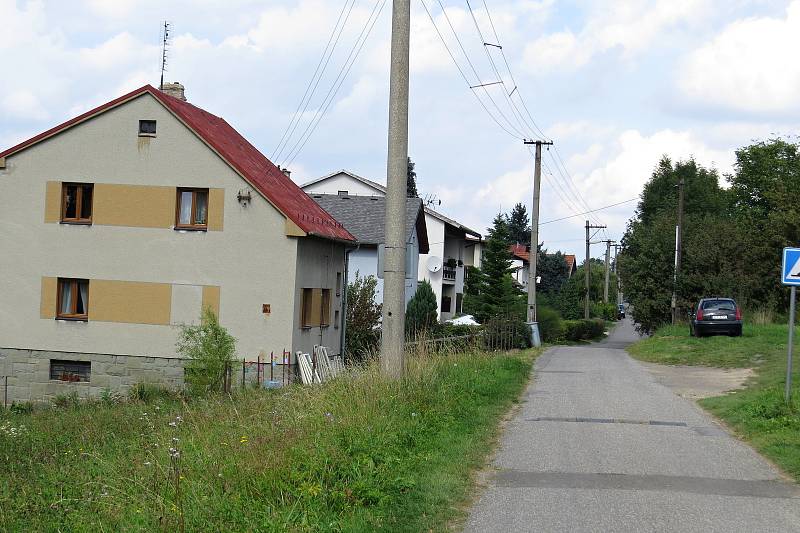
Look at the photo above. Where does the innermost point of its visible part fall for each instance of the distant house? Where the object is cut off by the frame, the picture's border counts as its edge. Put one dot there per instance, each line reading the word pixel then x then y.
pixel 126 221
pixel 572 265
pixel 520 264
pixel 453 246
pixel 364 217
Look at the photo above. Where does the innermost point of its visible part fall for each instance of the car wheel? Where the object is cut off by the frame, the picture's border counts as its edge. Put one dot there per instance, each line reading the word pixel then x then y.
pixel 737 333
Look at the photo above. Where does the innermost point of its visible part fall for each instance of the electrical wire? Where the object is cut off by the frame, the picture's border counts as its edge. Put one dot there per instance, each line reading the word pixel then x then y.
pixel 587 212
pixel 323 63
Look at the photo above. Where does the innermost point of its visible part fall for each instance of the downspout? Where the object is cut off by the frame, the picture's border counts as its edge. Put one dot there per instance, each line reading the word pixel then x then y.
pixel 346 281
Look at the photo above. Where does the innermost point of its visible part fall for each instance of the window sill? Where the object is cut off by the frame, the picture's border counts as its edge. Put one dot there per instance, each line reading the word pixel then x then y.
pixel 151 135
pixel 76 222
pixel 72 318
pixel 191 228
pixel 306 327
pixel 82 382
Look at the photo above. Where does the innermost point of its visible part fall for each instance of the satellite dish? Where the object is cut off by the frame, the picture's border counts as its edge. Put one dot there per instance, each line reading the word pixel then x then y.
pixel 434 264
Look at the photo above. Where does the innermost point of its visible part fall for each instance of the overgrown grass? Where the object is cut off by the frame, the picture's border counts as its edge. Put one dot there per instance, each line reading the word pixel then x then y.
pixel 361 453
pixel 758 413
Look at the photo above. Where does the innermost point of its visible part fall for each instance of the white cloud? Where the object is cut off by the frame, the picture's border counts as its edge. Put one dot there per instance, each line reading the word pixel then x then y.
pixel 630 25
pixel 24 104
pixel 750 66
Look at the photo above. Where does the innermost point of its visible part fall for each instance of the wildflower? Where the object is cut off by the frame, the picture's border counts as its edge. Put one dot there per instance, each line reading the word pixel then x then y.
pixel 173 425
pixel 147 463
pixel 178 419
pixel 157 408
pixel 174 439
pixel 413 414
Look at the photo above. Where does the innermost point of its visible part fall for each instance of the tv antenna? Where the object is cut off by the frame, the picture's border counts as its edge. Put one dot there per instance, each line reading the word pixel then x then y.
pixel 431 199
pixel 164 47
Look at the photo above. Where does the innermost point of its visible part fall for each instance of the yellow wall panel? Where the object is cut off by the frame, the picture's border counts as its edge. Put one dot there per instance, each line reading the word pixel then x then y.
pixel 52 206
pixel 140 206
pixel 211 298
pixel 216 209
pixel 49 297
pixel 130 302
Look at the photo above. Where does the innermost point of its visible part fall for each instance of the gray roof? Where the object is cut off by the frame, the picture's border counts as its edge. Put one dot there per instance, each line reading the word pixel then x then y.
pixel 363 216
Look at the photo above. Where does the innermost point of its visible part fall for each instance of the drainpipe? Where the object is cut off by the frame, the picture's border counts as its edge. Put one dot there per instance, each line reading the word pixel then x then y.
pixel 346 280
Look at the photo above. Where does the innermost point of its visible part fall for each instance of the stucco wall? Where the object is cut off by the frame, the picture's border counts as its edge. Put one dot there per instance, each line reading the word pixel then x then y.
pixel 318 262
pixel 364 261
pixel 342 182
pixel 436 245
pixel 251 259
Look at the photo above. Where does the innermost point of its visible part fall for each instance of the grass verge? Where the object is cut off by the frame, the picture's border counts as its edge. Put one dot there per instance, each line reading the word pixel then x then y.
pixel 757 413
pixel 357 454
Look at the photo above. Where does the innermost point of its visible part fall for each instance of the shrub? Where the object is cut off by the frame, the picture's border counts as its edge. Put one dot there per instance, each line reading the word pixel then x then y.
pixel 150 392
pixel 421 313
pixel 551 327
pixel 582 330
pixel 363 318
pixel 209 349
pixel 605 311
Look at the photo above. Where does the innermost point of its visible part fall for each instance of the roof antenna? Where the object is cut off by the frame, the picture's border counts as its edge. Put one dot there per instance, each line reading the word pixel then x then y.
pixel 164 45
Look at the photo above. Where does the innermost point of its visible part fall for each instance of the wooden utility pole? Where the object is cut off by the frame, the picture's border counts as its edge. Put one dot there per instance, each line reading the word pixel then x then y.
pixel 393 325
pixel 678 244
pixel 588 269
pixel 534 253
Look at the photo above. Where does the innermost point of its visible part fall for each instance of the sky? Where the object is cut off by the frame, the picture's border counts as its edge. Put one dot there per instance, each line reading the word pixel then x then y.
pixel 615 84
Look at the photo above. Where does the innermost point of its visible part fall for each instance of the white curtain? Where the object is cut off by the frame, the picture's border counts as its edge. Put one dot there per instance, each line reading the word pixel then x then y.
pixel 66 298
pixel 84 289
pixel 186 208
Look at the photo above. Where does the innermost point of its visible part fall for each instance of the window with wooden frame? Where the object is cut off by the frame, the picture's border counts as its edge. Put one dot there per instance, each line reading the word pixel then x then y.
pixel 338 284
pixel 192 209
pixel 76 203
pixel 73 299
pixel 307 308
pixel 325 310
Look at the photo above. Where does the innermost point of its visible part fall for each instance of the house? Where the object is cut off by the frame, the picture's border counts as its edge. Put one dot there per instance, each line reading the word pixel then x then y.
pixel 520 264
pixel 572 265
pixel 126 221
pixel 364 217
pixel 453 246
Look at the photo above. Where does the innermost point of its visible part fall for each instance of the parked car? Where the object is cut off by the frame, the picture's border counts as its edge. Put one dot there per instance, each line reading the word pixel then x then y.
pixel 716 316
pixel 620 311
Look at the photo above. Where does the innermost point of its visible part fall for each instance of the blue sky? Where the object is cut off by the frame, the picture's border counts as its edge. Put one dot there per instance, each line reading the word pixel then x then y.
pixel 614 84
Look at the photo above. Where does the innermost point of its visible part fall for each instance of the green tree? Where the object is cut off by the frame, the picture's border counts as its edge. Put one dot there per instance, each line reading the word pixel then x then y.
pixel 411 181
pixel 210 350
pixel 553 270
pixel 421 315
pixel 570 299
pixel 363 318
pixel 497 292
pixel 519 225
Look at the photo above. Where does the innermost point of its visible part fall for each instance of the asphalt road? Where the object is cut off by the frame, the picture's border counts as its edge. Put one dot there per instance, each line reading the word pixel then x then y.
pixel 599 445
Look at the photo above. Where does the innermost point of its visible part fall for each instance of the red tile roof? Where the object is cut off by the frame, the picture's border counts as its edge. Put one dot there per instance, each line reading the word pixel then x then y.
pixel 570 262
pixel 242 156
pixel 520 251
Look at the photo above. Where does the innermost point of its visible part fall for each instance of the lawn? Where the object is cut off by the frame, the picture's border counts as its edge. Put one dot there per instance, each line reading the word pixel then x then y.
pixel 360 453
pixel 758 413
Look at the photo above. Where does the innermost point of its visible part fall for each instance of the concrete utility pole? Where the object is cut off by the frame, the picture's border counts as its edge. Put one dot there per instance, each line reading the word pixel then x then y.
pixel 608 261
pixel 394 318
pixel 678 235
pixel 534 254
pixel 616 271
pixel 588 269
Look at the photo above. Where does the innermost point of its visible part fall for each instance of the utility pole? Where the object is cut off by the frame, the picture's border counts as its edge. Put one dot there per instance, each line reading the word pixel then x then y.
pixel 587 269
pixel 608 261
pixel 678 235
pixel 616 271
pixel 534 254
pixel 394 318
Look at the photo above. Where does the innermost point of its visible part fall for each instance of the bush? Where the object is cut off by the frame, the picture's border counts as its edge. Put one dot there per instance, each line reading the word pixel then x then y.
pixel 583 330
pixel 551 327
pixel 605 311
pixel 210 350
pixel 421 313
pixel 363 319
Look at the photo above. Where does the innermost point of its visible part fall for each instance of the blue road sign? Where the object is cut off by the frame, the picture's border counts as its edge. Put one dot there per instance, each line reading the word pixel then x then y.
pixel 791 266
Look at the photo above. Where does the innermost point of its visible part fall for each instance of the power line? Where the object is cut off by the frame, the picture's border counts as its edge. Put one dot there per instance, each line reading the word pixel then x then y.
pixel 358 45
pixel 591 211
pixel 463 75
pixel 326 57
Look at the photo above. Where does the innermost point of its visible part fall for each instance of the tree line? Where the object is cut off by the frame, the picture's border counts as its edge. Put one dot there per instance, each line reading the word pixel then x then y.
pixel 734 229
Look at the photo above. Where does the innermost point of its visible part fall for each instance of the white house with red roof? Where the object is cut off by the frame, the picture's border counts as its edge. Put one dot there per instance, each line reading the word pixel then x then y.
pixel 127 221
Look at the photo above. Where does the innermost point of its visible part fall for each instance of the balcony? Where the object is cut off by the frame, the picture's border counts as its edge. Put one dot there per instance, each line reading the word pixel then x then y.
pixel 449 274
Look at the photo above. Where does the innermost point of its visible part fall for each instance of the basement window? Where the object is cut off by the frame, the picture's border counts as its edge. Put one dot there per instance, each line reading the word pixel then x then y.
pixel 147 128
pixel 71 371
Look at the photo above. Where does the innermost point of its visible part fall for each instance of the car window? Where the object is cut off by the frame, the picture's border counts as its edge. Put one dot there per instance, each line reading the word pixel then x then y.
pixel 722 305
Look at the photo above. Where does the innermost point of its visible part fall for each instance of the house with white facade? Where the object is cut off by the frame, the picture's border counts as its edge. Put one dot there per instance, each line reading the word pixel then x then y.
pixel 364 218
pixel 452 246
pixel 127 221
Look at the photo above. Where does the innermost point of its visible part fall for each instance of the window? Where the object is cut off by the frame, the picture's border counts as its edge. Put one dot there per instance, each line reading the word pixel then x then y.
pixel 325 314
pixel 338 284
pixel 342 193
pixel 446 304
pixel 336 319
pixel 73 371
pixel 306 309
pixel 192 211
pixel 147 128
pixel 73 299
pixel 76 203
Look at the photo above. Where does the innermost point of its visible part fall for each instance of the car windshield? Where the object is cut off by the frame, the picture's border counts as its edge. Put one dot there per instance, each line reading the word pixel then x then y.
pixel 721 305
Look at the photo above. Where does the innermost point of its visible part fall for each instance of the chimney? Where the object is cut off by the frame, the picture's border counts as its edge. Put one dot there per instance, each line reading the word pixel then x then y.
pixel 174 89
pixel 287 172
